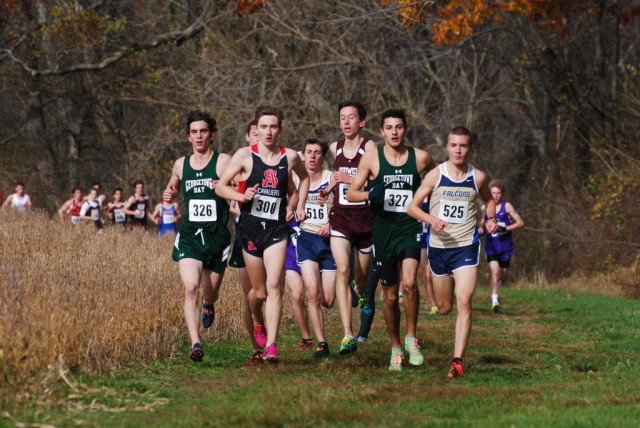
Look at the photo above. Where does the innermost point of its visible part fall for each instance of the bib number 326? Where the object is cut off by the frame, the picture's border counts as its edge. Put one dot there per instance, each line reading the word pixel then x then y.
pixel 202 210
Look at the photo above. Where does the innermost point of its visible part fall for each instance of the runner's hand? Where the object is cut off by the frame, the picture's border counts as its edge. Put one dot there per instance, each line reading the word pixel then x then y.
pixel 250 193
pixel 167 195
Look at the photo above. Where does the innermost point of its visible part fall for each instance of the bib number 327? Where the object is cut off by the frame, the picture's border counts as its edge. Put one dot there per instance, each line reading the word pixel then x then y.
pixel 397 200
pixel 202 210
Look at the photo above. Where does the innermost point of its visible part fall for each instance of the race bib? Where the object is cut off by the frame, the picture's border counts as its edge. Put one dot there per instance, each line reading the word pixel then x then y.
pixel 95 214
pixel 140 207
pixel 343 188
pixel 397 200
pixel 75 219
pixel 266 207
pixel 316 214
pixel 119 215
pixel 167 218
pixel 453 211
pixel 202 210
pixel 500 224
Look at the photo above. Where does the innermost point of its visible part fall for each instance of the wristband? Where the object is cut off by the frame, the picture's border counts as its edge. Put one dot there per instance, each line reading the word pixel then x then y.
pixel 495 220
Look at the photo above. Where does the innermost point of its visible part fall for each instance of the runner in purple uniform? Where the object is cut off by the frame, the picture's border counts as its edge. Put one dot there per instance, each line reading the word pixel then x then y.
pixel 499 246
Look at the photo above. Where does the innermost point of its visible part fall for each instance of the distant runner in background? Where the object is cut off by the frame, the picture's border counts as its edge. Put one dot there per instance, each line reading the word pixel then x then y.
pixel 90 209
pixel 166 215
pixel 19 200
pixel 70 210
pixel 137 206
pixel 115 209
pixel 499 246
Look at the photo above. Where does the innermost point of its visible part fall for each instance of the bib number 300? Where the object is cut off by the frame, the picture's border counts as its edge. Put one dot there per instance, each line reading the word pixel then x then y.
pixel 202 210
pixel 266 207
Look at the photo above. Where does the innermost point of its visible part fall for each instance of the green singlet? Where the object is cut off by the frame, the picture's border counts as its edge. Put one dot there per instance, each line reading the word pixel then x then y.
pixel 400 184
pixel 204 209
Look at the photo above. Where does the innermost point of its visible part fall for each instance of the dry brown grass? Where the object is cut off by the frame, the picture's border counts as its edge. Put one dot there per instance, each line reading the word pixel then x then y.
pixel 71 297
pixel 620 281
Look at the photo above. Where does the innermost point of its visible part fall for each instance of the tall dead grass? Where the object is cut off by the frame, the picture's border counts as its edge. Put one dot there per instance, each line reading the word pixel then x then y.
pixel 90 300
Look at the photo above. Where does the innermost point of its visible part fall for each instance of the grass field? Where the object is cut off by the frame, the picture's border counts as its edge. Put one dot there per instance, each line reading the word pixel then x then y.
pixel 552 358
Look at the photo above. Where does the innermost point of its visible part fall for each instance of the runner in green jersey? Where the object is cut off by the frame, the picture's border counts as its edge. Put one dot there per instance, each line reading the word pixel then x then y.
pixel 202 245
pixel 393 172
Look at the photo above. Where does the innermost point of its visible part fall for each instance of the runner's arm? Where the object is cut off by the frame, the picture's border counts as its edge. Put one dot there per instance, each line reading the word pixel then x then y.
pixel 425 189
pixel 518 223
pixel 491 226
pixel 303 188
pixel 354 194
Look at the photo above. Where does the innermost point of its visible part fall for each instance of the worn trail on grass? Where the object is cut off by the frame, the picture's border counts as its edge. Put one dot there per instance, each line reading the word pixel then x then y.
pixel 548 359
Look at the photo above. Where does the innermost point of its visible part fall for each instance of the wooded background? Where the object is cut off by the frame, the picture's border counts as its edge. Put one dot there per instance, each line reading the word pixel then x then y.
pixel 95 90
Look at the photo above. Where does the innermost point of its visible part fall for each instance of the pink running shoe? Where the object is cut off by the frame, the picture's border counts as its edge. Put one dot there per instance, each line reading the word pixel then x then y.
pixel 260 334
pixel 271 354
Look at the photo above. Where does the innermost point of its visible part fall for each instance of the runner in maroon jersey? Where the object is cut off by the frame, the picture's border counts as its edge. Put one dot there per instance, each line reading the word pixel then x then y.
pixel 351 223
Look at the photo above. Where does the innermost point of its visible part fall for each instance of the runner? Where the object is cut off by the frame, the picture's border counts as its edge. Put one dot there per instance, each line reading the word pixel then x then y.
pixel 115 209
pixel 351 222
pixel 19 200
pixel 202 246
pixel 293 278
pixel 454 247
pixel 137 206
pixel 263 227
pixel 424 263
pixel 101 198
pixel 393 173
pixel 70 210
pixel 499 246
pixel 314 243
pixel 166 215
pixel 90 209
pixel 254 323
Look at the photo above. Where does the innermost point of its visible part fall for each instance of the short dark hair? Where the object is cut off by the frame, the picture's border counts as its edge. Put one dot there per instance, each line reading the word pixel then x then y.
pixel 269 111
pixel 461 131
pixel 362 113
pixel 76 188
pixel 20 183
pixel 96 184
pixel 324 147
pixel 135 183
pixel 250 124
pixel 118 189
pixel 197 116
pixel 393 112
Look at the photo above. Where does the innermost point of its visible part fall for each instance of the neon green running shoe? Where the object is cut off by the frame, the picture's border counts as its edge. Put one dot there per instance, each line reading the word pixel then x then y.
pixel 412 347
pixel 348 346
pixel 434 310
pixel 395 365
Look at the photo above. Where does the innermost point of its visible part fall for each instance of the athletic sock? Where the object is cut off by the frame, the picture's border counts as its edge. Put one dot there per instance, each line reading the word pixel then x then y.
pixel 396 350
pixel 457 360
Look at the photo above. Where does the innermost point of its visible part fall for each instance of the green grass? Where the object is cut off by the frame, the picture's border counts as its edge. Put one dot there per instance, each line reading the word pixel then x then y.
pixel 549 359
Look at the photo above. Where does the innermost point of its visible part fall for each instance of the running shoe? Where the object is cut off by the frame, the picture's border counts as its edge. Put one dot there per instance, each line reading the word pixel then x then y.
pixel 396 361
pixel 348 345
pixel 412 347
pixel 322 350
pixel 208 314
pixel 305 344
pixel 256 359
pixel 260 334
pixel 434 310
pixel 495 307
pixel 363 300
pixel 271 354
pixel 197 353
pixel 362 340
pixel 456 370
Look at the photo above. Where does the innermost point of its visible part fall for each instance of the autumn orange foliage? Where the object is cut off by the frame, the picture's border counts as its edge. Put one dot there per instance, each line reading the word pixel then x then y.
pixel 247 6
